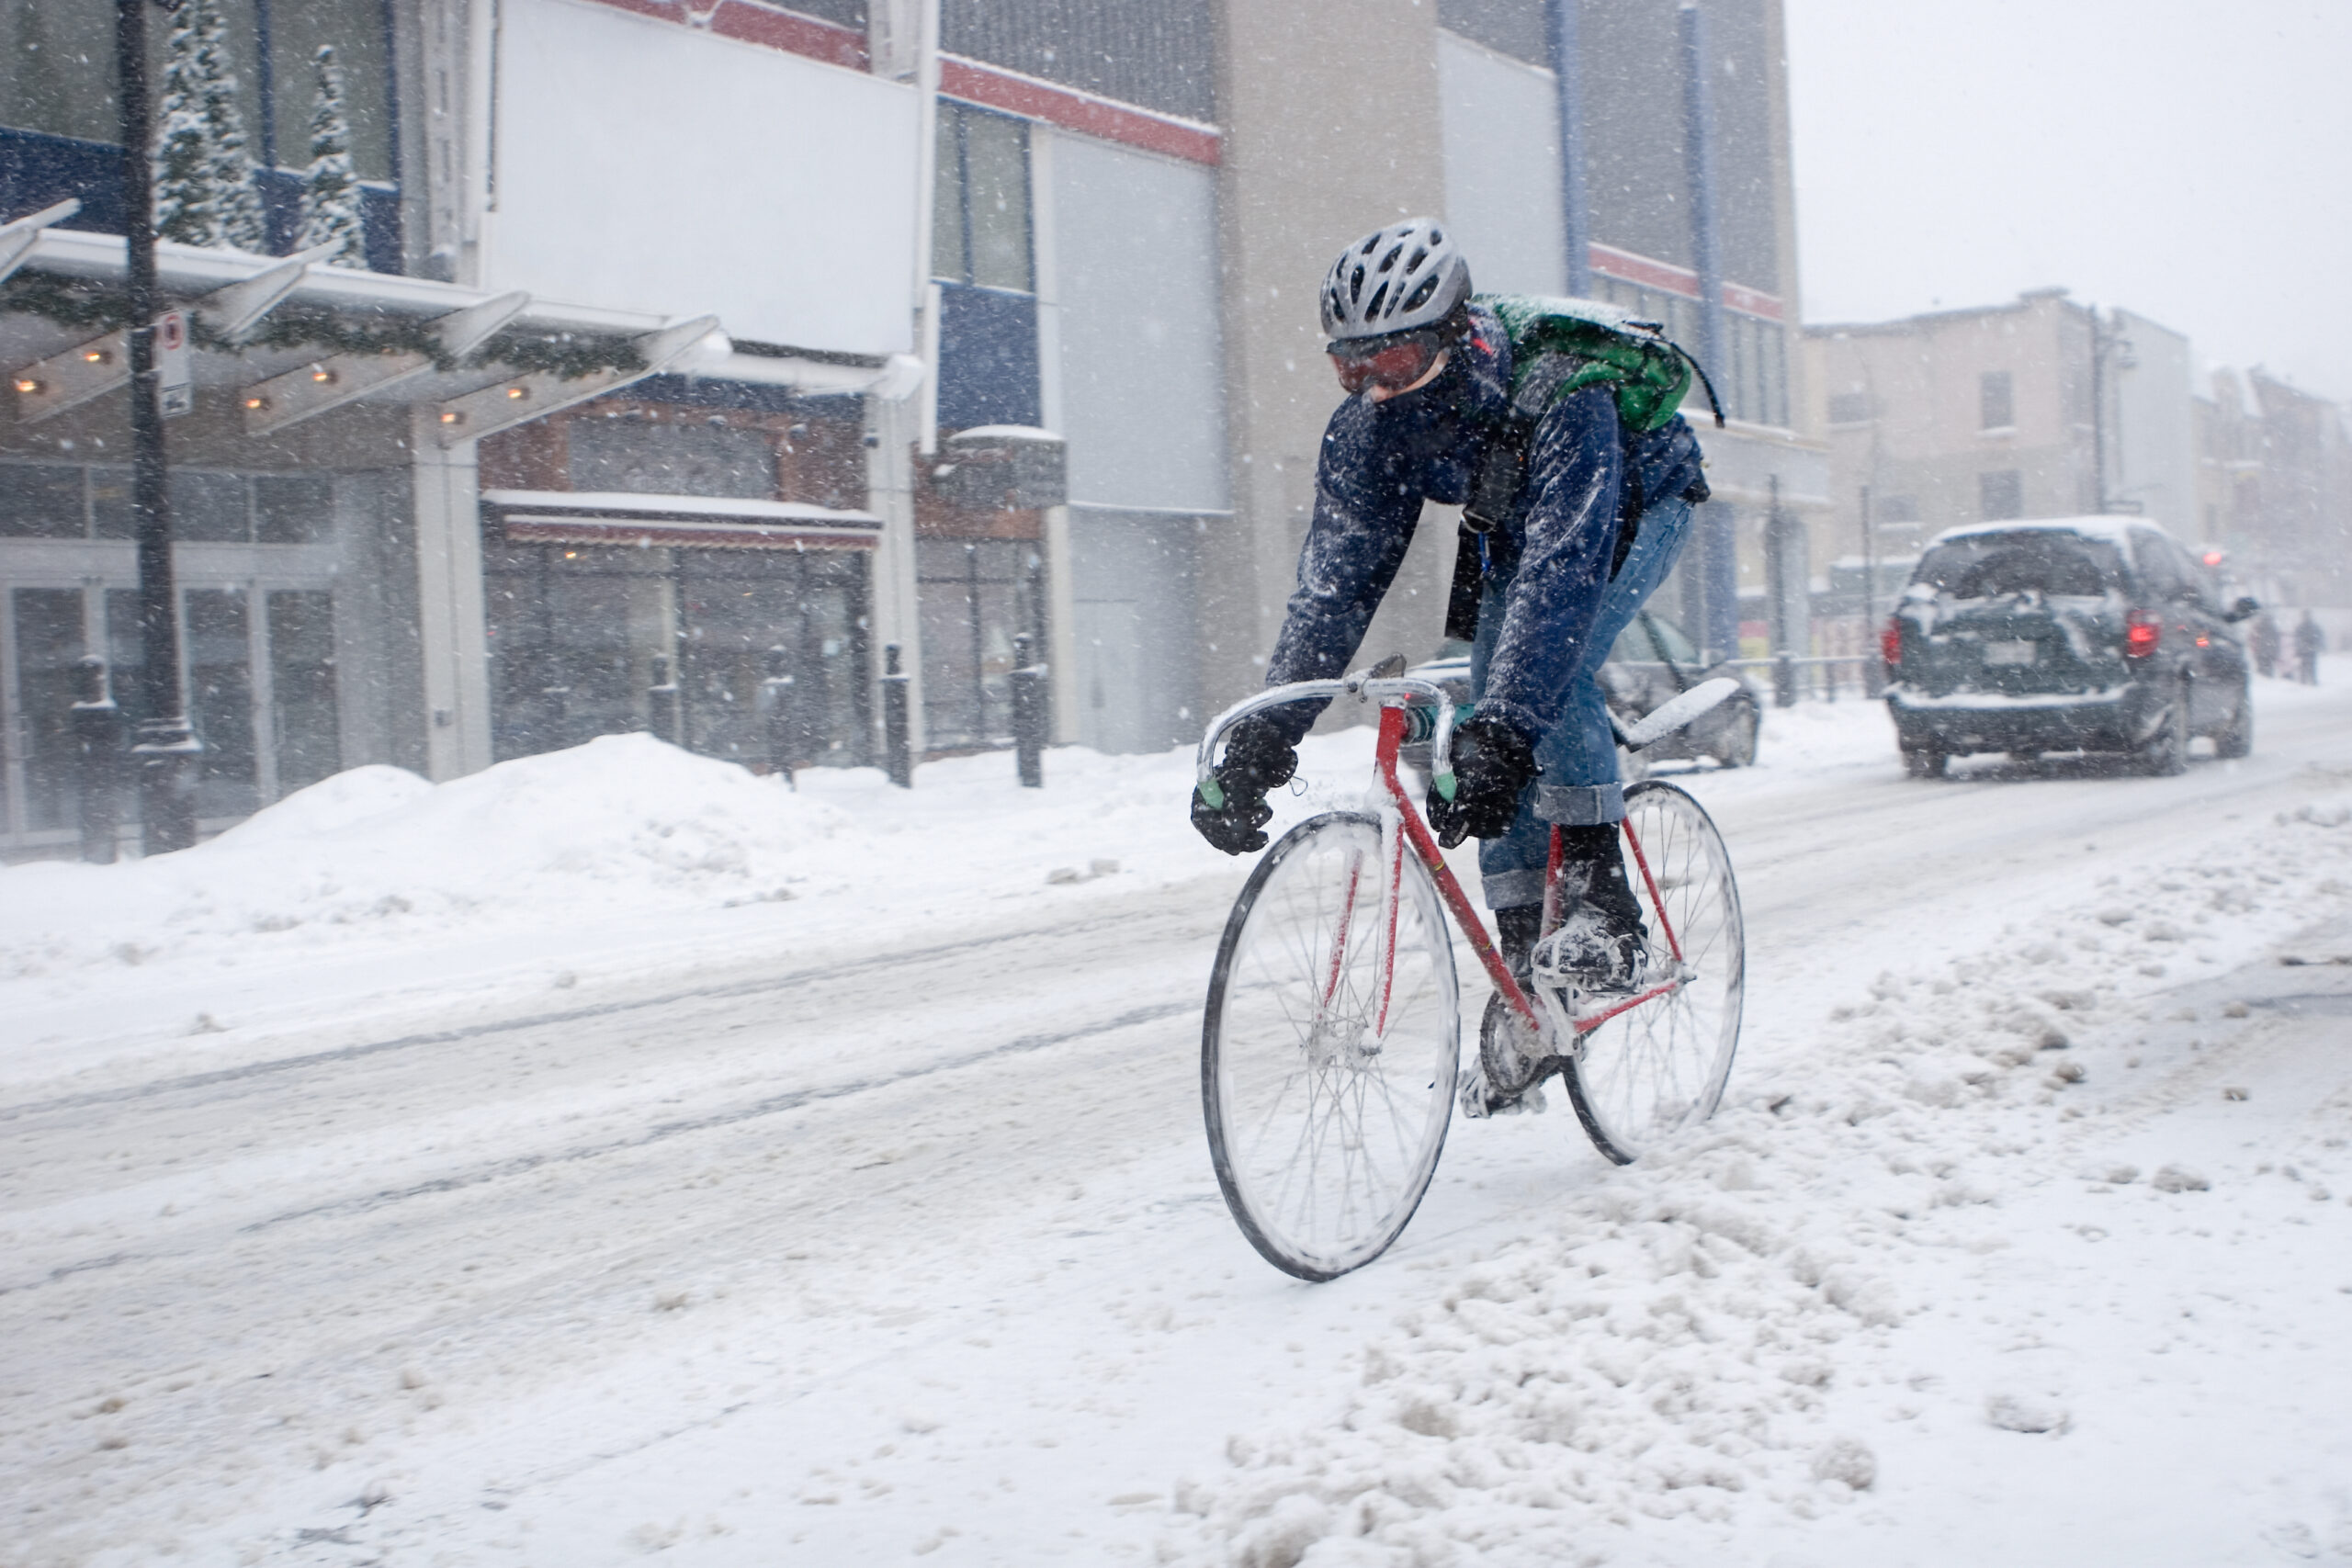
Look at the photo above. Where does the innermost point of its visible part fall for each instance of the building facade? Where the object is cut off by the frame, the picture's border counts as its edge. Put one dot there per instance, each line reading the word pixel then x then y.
pixel 2040 408
pixel 694 335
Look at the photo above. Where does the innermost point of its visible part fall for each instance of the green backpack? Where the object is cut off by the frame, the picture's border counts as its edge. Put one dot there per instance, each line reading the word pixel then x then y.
pixel 1559 346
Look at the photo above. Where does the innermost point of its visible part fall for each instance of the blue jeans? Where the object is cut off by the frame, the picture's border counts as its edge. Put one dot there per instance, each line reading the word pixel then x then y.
pixel 1579 785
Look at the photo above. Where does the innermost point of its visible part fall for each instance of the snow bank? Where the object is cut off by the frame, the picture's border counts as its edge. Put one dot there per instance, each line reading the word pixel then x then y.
pixel 1754 1326
pixel 624 821
pixel 621 828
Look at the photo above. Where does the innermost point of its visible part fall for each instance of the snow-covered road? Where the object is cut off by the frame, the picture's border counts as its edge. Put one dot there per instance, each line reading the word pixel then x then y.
pixel 908 1246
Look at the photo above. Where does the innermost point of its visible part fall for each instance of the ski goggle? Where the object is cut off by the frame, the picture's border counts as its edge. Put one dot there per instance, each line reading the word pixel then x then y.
pixel 1393 362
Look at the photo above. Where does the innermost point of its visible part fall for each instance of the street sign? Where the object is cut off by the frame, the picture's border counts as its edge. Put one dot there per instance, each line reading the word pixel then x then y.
pixel 175 369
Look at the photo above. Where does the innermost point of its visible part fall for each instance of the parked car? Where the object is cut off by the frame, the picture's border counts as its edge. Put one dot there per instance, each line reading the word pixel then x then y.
pixel 1653 662
pixel 2089 634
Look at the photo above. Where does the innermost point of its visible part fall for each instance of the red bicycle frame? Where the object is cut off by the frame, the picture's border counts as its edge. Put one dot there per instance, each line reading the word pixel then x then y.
pixel 1416 832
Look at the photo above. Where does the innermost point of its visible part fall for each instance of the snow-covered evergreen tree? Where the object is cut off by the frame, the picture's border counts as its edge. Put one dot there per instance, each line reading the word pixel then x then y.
pixel 205 193
pixel 331 214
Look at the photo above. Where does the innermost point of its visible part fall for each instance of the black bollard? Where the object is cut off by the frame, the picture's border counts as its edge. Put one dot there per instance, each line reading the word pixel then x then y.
pixel 777 717
pixel 1029 708
pixel 1784 679
pixel 661 703
pixel 897 757
pixel 98 741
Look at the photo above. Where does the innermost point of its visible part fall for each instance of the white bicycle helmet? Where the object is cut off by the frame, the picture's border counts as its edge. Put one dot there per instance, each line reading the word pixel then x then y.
pixel 1392 280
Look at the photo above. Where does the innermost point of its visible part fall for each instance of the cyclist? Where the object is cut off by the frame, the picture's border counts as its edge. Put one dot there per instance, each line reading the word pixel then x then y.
pixel 1597 522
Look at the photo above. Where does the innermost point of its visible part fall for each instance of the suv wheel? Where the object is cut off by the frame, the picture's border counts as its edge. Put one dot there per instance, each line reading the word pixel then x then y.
pixel 2236 738
pixel 2166 752
pixel 1924 762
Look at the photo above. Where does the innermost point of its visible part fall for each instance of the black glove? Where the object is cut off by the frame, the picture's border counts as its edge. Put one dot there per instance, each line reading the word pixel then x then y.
pixel 1493 765
pixel 1255 761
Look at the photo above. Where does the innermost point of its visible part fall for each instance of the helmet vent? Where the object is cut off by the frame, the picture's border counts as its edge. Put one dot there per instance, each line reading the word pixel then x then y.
pixel 1372 307
pixel 1355 284
pixel 1389 260
pixel 1419 257
pixel 1421 296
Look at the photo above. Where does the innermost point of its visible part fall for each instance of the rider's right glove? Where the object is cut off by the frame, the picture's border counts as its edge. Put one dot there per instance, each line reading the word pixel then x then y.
pixel 1256 760
pixel 1493 765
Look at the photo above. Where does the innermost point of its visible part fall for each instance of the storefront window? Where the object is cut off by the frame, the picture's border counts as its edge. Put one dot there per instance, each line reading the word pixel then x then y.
pixel 975 596
pixel 574 632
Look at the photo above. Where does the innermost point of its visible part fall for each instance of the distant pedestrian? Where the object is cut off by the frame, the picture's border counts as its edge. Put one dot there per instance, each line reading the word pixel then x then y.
pixel 2265 646
pixel 2309 641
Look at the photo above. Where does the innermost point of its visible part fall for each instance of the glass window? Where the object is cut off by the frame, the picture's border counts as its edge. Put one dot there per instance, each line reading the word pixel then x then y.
pixel 980 219
pixel 1996 407
pixel 1632 646
pixel 221 701
pixel 49 639
pixel 948 259
pixel 666 457
pixel 973 597
pixel 110 514
pixel 355 29
pixel 1671 642
pixel 304 714
pixel 2000 496
pixel 40 501
pixel 2043 560
pixel 2163 571
pixel 292 509
pixel 208 508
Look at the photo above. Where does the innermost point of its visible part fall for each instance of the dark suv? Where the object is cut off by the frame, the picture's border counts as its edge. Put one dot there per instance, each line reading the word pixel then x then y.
pixel 2078 633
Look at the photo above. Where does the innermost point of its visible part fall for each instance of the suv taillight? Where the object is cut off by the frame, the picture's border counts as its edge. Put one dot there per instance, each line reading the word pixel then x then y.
pixel 1890 640
pixel 2142 633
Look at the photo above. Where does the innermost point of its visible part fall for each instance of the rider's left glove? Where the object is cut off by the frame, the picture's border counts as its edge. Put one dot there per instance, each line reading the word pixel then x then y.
pixel 1257 761
pixel 1493 765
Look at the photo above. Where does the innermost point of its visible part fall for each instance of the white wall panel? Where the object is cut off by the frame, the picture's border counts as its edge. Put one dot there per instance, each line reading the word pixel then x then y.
pixel 1501 127
pixel 1141 393
pixel 643 165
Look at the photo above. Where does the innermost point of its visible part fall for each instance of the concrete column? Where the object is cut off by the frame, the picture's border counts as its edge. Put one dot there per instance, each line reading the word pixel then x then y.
pixel 1331 128
pixel 892 430
pixel 453 644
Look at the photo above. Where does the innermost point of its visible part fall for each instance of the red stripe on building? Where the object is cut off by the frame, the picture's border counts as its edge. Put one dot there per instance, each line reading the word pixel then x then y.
pixel 1651 273
pixel 1080 112
pixel 660 10
pixel 792 34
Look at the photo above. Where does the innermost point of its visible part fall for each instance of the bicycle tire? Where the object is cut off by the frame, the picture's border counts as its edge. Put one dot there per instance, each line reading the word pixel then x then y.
pixel 1662 1065
pixel 1324 1126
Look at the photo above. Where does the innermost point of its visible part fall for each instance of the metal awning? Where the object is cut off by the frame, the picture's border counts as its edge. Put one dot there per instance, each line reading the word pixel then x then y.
pixel 281 387
pixel 611 518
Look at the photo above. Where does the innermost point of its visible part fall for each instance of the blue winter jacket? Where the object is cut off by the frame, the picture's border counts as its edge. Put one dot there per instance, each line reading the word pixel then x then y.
pixel 1380 461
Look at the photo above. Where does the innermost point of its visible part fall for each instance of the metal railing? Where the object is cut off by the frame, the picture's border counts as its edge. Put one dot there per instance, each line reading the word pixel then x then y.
pixel 1819 677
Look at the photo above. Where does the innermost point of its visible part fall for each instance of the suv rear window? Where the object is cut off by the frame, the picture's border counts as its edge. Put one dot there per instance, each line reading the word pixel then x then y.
pixel 1987 565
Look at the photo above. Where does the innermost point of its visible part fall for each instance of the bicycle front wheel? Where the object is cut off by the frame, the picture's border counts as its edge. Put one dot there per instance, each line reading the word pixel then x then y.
pixel 1662 1065
pixel 1327 1056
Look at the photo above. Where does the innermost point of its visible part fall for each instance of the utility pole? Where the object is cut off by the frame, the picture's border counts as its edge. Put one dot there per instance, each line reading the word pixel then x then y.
pixel 2107 340
pixel 167 751
pixel 1567 80
pixel 1713 520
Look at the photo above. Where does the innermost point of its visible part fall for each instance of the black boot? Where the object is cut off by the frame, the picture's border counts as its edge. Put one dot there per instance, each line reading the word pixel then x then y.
pixel 1516 931
pixel 1602 945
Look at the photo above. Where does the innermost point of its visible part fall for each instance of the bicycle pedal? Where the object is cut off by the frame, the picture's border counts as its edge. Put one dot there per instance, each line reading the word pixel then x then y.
pixel 1530 1101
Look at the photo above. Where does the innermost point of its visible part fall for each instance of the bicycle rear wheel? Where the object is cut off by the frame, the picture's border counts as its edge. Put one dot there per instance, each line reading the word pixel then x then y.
pixel 1662 1065
pixel 1327 1092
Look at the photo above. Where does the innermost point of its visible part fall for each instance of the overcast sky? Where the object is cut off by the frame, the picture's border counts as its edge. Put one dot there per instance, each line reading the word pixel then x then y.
pixel 2190 160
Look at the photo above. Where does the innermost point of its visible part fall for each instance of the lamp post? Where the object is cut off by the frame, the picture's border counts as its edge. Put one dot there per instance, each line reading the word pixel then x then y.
pixel 167 751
